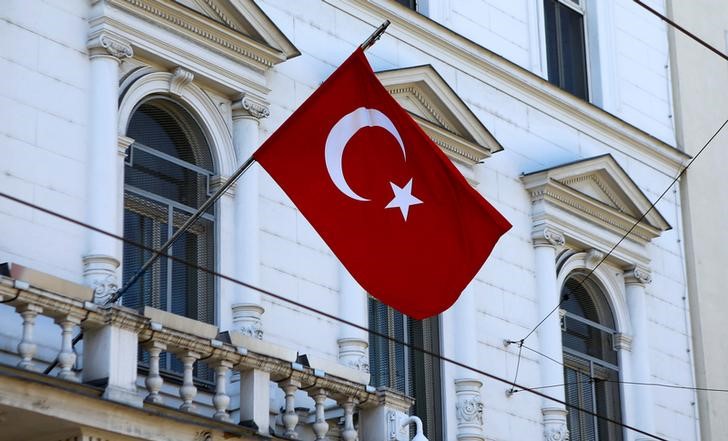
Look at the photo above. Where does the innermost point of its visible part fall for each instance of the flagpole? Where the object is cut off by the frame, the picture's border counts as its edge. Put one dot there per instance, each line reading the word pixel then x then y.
pixel 369 42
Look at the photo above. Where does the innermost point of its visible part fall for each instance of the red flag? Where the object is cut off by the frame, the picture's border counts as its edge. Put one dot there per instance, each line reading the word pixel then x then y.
pixel 385 199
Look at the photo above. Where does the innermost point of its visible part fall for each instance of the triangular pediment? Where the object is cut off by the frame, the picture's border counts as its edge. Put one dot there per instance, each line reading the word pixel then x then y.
pixel 599 190
pixel 440 112
pixel 238 29
pixel 245 17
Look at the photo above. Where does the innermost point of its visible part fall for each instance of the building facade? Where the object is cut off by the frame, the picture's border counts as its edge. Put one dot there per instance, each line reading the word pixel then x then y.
pixel 126 115
pixel 697 74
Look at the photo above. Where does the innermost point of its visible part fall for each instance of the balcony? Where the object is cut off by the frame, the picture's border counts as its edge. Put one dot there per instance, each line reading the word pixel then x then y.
pixel 257 389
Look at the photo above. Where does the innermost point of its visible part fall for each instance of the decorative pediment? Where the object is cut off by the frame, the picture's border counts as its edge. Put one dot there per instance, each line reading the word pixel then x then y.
pixel 237 30
pixel 595 192
pixel 441 113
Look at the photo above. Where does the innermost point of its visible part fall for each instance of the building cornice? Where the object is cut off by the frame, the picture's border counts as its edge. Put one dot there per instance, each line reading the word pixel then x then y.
pixel 517 82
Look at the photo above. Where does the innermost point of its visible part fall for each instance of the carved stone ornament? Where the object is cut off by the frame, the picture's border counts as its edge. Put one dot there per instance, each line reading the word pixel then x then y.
pixel 110 45
pixel 470 410
pixel 252 329
pixel 549 236
pixel 250 107
pixel 557 432
pixel 638 275
pixel 360 364
pixel 104 289
pixel 181 77
pixel 593 257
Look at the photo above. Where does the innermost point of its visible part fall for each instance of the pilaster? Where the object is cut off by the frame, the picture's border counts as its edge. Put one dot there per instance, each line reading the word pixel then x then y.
pixel 635 280
pixel 353 342
pixel 545 242
pixel 103 256
pixel 247 309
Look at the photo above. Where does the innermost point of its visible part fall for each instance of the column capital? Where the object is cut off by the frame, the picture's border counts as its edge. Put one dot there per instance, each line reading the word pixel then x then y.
pixel 548 237
pixel 107 45
pixel 246 106
pixel 637 276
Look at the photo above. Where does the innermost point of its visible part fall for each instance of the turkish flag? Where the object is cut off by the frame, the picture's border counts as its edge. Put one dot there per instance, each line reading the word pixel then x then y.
pixel 384 198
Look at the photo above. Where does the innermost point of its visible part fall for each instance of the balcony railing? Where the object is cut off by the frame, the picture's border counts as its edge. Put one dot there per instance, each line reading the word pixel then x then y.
pixel 319 399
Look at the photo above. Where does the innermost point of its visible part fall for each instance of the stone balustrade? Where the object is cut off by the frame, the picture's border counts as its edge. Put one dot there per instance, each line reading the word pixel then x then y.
pixel 331 394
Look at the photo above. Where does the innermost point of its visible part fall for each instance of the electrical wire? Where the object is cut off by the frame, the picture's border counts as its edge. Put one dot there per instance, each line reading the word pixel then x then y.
pixel 636 383
pixel 328 315
pixel 683 30
pixel 651 207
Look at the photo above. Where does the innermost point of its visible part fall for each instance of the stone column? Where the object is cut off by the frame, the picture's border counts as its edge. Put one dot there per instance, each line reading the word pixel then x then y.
pixel 635 280
pixel 103 195
pixel 247 309
pixel 353 342
pixel 545 243
pixel 469 406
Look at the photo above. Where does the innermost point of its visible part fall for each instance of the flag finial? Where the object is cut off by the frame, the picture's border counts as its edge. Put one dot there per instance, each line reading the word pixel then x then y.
pixel 375 36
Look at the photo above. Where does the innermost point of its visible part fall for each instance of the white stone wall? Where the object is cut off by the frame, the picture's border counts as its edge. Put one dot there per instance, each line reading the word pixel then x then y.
pixel 43 112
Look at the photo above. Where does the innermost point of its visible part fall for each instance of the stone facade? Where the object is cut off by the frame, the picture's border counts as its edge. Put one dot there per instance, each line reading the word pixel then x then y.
pixel 73 71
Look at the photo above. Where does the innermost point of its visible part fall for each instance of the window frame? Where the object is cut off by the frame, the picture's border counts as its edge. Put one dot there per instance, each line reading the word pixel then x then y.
pixel 585 10
pixel 437 387
pixel 174 205
pixel 587 364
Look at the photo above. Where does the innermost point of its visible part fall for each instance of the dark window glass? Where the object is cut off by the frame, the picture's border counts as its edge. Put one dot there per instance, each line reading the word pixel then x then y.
pixel 406 370
pixel 591 370
pixel 565 48
pixel 412 4
pixel 166 178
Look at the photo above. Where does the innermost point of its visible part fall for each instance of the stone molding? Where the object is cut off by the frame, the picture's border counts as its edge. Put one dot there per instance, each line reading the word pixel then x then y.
pixel 181 77
pixel 100 274
pixel 247 106
pixel 637 275
pixel 555 428
pixel 441 113
pixel 262 49
pixel 593 257
pixel 108 45
pixel 548 237
pixel 622 341
pixel 469 409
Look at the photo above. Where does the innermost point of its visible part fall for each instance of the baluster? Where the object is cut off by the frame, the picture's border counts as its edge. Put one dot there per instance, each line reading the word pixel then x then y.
pixel 349 433
pixel 67 356
pixel 188 391
pixel 154 381
pixel 290 417
pixel 26 347
pixel 221 400
pixel 320 426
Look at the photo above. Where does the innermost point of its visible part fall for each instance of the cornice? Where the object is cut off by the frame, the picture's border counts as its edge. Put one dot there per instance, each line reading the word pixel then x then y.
pixel 202 30
pixel 517 82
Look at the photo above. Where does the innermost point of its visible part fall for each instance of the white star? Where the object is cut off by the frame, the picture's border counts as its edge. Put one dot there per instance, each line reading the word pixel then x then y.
pixel 403 198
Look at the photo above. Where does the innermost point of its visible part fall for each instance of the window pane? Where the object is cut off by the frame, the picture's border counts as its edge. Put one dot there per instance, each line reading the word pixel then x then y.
pixel 573 55
pixel 566 48
pixel 552 41
pixel 404 369
pixel 145 222
pixel 608 403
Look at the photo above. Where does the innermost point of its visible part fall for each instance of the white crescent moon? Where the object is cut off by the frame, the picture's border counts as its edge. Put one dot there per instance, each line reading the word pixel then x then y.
pixel 340 135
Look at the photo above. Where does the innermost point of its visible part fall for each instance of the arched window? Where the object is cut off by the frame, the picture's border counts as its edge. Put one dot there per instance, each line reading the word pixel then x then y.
pixel 166 178
pixel 406 370
pixel 591 367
